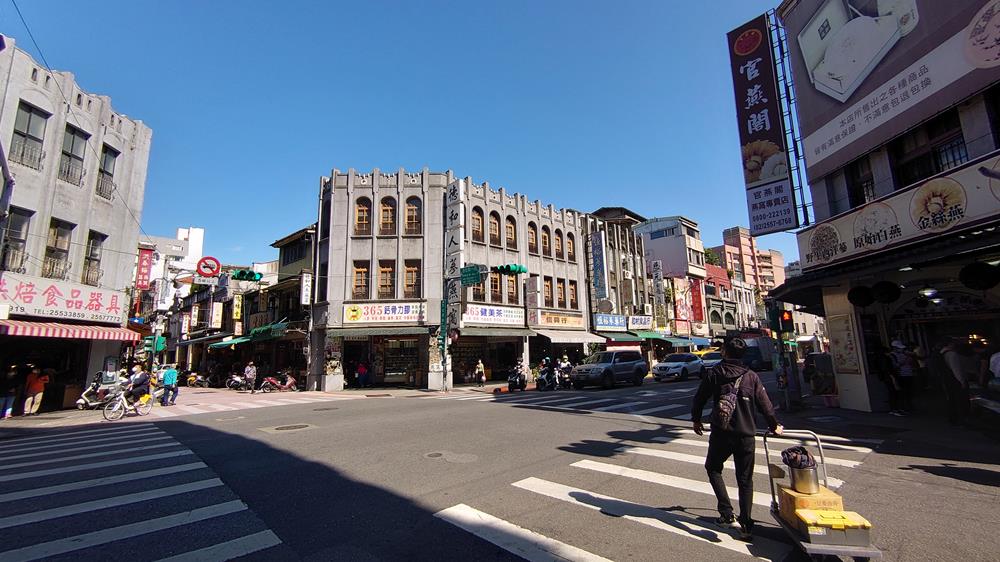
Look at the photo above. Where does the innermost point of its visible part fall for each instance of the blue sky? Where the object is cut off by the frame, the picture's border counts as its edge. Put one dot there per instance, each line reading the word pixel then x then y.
pixel 579 103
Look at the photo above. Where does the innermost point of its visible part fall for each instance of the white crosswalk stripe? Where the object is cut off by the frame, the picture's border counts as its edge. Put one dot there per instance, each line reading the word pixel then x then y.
pixel 617 406
pixel 774 453
pixel 173 488
pixel 658 409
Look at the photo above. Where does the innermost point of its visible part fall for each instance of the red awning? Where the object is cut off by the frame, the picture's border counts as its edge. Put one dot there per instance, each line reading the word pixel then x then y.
pixel 57 330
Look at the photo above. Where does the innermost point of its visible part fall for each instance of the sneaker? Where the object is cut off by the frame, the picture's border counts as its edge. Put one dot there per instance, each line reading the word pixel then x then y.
pixel 727 521
pixel 746 532
pixel 896 413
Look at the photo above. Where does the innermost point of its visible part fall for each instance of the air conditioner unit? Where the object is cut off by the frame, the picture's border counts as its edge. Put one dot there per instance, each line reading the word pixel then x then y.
pixel 627 274
pixel 647 309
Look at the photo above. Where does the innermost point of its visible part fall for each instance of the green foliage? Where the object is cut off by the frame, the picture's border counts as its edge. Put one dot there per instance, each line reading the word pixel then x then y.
pixel 711 258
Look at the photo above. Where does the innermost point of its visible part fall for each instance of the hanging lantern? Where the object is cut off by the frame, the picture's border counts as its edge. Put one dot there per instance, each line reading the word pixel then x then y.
pixel 886 292
pixel 979 276
pixel 861 296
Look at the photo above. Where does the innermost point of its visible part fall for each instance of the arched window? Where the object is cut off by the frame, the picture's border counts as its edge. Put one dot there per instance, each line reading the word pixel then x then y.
pixel 511 233
pixel 477 224
pixel 414 216
pixel 559 244
pixel 495 229
pixel 716 318
pixel 387 216
pixel 546 241
pixel 363 216
pixel 570 247
pixel 532 238
pixel 729 319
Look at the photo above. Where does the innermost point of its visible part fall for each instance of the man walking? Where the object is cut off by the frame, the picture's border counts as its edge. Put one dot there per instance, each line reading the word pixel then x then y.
pixel 250 373
pixel 731 383
pixel 34 388
pixel 169 385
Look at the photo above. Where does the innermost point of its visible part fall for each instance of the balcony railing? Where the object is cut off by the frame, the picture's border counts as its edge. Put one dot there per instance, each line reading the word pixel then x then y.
pixel 359 294
pixel 13 260
pixel 387 229
pixel 411 293
pixel 71 170
pixel 413 229
pixel 92 275
pixel 106 186
pixel 26 154
pixel 363 229
pixel 55 268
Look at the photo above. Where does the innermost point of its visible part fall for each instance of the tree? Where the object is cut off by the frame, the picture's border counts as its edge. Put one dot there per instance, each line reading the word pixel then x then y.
pixel 711 258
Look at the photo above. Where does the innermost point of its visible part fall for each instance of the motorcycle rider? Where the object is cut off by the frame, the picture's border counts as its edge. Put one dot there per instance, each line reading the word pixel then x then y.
pixel 565 368
pixel 138 385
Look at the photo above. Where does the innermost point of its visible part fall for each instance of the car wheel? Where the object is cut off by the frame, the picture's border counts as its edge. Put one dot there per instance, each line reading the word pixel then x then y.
pixel 639 377
pixel 684 375
pixel 608 381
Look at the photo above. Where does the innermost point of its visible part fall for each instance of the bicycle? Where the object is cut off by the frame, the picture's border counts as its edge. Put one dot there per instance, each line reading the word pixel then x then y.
pixel 117 408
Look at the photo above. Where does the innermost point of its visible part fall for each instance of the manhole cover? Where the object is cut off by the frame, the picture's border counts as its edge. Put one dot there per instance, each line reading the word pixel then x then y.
pixel 378 396
pixel 291 427
pixel 287 428
pixel 451 457
pixel 434 455
pixel 323 409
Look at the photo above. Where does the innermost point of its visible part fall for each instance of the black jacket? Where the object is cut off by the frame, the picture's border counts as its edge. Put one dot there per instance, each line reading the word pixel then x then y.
pixel 751 396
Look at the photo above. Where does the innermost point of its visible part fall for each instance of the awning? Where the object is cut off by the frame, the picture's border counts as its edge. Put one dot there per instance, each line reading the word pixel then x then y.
pixel 72 331
pixel 381 331
pixel 679 342
pixel 569 336
pixel 701 341
pixel 647 335
pixel 807 338
pixel 205 339
pixel 497 332
pixel 791 343
pixel 227 343
pixel 269 331
pixel 619 336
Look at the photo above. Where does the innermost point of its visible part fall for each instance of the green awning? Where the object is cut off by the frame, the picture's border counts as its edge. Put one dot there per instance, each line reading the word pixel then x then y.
pixel 680 342
pixel 496 332
pixel 227 343
pixel 619 336
pixel 791 343
pixel 268 332
pixel 379 331
pixel 647 335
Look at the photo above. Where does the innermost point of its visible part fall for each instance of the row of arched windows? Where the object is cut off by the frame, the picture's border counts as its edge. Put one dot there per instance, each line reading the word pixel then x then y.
pixel 388 217
pixel 565 247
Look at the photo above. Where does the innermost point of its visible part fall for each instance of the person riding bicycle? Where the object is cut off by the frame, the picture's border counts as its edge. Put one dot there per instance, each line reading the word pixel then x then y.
pixel 138 385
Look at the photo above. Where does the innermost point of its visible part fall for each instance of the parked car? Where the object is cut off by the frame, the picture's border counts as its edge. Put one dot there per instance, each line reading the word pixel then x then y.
pixel 711 359
pixel 609 368
pixel 678 366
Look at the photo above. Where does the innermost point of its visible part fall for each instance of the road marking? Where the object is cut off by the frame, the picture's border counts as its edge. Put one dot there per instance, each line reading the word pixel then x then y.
pixel 695 459
pixel 687 417
pixel 527 544
pixel 126 451
pixel 657 518
pixel 104 536
pixel 220 407
pixel 477 397
pixel 229 549
pixel 288 401
pixel 82 467
pixel 576 405
pixel 161 413
pixel 124 436
pixel 189 409
pixel 320 399
pixel 759 498
pixel 75 449
pixel 547 400
pixel 775 454
pixel 617 406
pixel 658 409
pixel 104 503
pixel 248 404
pixel 806 441
pixel 7 443
pixel 84 484
pixel 269 403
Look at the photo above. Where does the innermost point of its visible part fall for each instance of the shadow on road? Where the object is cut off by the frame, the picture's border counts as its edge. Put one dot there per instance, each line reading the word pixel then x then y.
pixel 968 474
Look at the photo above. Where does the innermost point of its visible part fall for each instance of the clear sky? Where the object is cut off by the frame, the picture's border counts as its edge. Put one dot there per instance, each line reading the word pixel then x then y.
pixel 579 103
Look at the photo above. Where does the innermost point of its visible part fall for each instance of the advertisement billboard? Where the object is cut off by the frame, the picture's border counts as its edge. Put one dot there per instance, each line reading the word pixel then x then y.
pixel 599 268
pixel 865 71
pixel 763 150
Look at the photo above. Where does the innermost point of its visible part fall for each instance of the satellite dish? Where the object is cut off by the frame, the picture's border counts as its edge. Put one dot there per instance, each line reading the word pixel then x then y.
pixel 604 306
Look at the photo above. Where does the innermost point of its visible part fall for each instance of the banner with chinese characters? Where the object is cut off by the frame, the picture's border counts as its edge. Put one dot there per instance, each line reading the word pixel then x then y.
pixel 961 199
pixel 185 325
pixel 610 323
pixel 454 253
pixel 143 269
pixel 216 315
pixel 377 313
pixel 37 296
pixel 640 323
pixel 598 267
pixel 761 127
pixel 237 307
pixel 560 320
pixel 493 315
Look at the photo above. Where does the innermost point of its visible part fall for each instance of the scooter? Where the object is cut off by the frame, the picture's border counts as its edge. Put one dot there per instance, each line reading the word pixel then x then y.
pixel 546 379
pixel 195 380
pixel 238 382
pixel 104 388
pixel 271 383
pixel 563 379
pixel 516 380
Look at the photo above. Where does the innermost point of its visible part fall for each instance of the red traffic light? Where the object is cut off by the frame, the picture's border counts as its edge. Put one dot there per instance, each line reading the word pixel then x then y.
pixel 786 316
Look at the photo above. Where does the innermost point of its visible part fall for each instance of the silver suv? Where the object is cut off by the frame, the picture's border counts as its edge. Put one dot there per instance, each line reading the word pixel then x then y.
pixel 608 368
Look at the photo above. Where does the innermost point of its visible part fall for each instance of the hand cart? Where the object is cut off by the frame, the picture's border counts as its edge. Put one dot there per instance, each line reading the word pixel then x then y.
pixel 815 551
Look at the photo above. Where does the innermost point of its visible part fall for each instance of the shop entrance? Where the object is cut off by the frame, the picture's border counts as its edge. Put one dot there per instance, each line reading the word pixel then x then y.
pixel 354 353
pixel 498 354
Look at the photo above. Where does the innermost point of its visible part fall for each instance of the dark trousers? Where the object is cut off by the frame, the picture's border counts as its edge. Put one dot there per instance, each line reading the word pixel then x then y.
pixel 167 390
pixel 894 393
pixel 721 446
pixel 906 393
pixel 958 399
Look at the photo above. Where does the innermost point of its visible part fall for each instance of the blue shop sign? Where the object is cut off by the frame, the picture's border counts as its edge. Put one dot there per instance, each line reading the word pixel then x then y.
pixel 610 322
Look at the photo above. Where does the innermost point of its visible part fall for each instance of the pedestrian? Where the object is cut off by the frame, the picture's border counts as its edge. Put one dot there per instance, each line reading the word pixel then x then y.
pixel 34 388
pixel 735 389
pixel 9 384
pixel 362 374
pixel 170 385
pixel 480 373
pixel 885 369
pixel 906 368
pixel 250 373
pixel 961 367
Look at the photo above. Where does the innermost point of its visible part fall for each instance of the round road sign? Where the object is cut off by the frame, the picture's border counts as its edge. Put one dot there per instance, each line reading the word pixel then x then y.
pixel 209 267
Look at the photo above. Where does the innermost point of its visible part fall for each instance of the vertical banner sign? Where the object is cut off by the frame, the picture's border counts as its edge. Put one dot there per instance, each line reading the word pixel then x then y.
pixel 658 282
pixel 216 315
pixel 237 307
pixel 770 198
pixel 237 328
pixel 143 269
pixel 454 248
pixel 697 308
pixel 185 325
pixel 195 313
pixel 532 288
pixel 599 267
pixel 306 289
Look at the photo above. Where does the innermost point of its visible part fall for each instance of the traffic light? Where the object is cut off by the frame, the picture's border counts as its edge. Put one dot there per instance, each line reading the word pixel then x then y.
pixel 509 269
pixel 787 323
pixel 149 348
pixel 245 275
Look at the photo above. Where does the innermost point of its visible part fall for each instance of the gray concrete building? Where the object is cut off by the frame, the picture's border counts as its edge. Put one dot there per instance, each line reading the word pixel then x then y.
pixel 380 279
pixel 69 253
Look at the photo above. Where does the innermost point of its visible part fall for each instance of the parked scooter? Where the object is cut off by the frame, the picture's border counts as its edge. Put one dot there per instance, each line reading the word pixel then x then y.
pixel 103 388
pixel 195 380
pixel 517 379
pixel 272 383
pixel 238 382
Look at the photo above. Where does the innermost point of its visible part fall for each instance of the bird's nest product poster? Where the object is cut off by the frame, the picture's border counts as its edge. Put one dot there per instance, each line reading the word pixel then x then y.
pixel 865 71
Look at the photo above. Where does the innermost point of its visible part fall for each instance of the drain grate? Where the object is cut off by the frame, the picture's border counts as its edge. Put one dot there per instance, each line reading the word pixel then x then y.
pixel 378 396
pixel 291 427
pixel 434 455
pixel 324 409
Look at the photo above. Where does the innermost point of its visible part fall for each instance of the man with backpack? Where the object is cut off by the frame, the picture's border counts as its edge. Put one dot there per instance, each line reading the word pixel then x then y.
pixel 736 392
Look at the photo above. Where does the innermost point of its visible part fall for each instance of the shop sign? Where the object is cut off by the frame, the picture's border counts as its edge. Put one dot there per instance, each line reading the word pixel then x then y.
pixel 377 313
pixel 599 267
pixel 500 315
pixel 185 324
pixel 640 322
pixel 697 310
pixel 560 320
pixel 963 198
pixel 237 328
pixel 682 327
pixel 259 319
pixel 306 289
pixel 216 315
pixel 454 253
pixel 610 323
pixel 661 296
pixel 143 269
pixel 237 307
pixel 195 313
pixel 37 296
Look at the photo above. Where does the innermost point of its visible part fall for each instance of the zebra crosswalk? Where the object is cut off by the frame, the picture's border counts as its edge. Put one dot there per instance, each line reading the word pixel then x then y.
pixel 623 493
pixel 181 409
pixel 92 493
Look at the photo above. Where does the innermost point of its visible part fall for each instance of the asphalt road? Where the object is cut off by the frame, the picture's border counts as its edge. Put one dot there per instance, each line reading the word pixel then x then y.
pixel 581 475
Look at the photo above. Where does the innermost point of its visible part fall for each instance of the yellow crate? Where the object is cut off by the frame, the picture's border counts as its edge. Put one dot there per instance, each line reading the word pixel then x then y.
pixel 789 501
pixel 834 527
pixel 832 519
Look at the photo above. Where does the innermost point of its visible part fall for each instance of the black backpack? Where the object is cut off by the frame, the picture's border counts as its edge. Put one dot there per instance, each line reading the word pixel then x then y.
pixel 726 405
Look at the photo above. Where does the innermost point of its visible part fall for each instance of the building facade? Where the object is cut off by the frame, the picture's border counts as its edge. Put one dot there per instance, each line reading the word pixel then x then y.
pixel 720 302
pixel 173 258
pixel 70 238
pixel 764 269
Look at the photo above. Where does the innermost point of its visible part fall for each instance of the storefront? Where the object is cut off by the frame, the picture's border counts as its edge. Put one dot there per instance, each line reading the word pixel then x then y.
pixel 493 334
pixel 560 334
pixel 392 355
